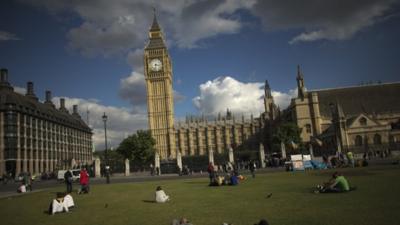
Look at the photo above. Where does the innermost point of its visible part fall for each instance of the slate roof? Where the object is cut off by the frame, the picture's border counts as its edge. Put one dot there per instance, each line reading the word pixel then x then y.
pixel 29 105
pixel 371 99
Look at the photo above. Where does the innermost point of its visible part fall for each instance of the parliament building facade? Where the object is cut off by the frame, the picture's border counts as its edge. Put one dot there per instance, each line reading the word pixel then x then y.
pixel 37 137
pixel 360 119
pixel 197 136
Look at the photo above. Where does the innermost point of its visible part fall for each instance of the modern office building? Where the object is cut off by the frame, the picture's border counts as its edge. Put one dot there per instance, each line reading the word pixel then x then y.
pixel 36 136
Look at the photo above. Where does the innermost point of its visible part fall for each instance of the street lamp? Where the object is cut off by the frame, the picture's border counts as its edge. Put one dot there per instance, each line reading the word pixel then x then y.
pixel 335 121
pixel 105 152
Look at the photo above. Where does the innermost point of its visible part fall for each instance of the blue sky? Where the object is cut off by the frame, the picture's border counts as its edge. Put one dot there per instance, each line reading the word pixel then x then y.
pixel 90 52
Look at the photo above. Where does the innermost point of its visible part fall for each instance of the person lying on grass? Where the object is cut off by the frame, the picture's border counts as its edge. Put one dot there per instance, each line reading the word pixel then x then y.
pixel 161 197
pixel 338 183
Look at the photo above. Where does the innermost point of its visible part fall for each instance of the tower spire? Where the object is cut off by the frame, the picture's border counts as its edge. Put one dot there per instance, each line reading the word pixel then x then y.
pixel 300 84
pixel 155 26
pixel 267 89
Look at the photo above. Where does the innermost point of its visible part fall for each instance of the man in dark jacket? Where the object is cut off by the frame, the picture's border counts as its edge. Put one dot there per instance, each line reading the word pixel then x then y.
pixel 68 180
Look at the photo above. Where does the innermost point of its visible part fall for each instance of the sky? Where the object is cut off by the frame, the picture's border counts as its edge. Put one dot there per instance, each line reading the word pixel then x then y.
pixel 91 52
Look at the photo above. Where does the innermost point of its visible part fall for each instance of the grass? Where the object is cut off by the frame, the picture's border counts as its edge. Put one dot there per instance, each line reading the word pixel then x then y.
pixel 376 201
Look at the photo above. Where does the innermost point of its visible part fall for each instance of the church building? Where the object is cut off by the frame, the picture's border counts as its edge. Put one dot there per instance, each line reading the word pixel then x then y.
pixel 361 119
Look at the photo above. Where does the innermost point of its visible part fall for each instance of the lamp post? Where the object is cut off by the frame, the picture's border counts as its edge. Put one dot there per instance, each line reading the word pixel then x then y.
pixel 105 152
pixel 335 120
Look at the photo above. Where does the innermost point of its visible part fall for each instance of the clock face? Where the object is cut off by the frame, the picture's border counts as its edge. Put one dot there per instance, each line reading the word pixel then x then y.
pixel 155 65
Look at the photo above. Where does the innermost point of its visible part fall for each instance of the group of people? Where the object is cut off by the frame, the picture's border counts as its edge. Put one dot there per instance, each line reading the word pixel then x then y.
pixel 83 181
pixel 26 184
pixel 347 159
pixel 230 177
pixel 64 201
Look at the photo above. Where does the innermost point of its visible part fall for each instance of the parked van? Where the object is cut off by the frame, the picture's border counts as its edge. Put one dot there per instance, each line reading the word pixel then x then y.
pixel 76 174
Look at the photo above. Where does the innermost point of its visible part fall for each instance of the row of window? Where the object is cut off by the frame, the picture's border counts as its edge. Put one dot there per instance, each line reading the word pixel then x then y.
pixel 359 140
pixel 30 121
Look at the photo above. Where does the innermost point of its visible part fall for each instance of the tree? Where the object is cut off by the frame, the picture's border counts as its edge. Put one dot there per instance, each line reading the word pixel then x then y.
pixel 138 147
pixel 288 133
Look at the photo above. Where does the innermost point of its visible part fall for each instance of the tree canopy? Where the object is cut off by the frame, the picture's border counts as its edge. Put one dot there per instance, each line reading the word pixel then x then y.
pixel 138 147
pixel 287 132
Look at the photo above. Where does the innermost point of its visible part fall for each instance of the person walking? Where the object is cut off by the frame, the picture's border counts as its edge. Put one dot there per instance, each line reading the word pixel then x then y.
pixel 68 180
pixel 252 168
pixel 84 181
pixel 211 172
pixel 27 180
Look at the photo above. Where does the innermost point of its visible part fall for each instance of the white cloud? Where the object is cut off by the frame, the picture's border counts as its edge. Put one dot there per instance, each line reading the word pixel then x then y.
pixel 205 19
pixel 120 26
pixel 133 89
pixel 282 99
pixel 241 98
pixel 226 92
pixel 7 36
pixel 121 121
pixel 329 19
pixel 20 90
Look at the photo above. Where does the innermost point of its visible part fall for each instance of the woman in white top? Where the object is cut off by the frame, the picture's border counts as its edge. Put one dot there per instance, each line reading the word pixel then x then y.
pixel 161 197
pixel 58 204
pixel 69 201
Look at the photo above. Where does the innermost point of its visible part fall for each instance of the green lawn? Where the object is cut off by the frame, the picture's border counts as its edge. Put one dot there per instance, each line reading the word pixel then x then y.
pixel 376 201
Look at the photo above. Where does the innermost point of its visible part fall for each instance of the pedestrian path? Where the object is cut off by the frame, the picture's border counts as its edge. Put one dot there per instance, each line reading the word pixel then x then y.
pixel 16 194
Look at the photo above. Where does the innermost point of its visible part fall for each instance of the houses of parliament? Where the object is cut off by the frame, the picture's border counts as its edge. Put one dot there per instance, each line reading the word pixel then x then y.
pixel 361 118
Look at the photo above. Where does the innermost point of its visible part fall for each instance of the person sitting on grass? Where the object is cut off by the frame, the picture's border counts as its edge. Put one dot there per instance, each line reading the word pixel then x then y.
pixel 69 201
pixel 21 188
pixel 58 204
pixel 161 197
pixel 233 180
pixel 338 183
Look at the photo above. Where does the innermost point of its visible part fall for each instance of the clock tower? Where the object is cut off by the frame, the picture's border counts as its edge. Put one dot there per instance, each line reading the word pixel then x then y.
pixel 160 102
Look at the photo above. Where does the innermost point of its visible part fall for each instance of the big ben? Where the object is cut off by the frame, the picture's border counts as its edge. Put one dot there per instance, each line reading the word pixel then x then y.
pixel 160 102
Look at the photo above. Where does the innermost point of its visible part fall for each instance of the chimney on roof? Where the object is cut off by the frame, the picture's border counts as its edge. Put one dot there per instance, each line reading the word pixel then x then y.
pixel 30 88
pixel 48 98
pixel 4 79
pixel 29 91
pixel 62 105
pixel 4 75
pixel 75 111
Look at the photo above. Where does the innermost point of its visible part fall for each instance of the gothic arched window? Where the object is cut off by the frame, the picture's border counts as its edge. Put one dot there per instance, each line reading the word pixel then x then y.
pixel 391 139
pixel 363 121
pixel 377 139
pixel 308 128
pixel 358 140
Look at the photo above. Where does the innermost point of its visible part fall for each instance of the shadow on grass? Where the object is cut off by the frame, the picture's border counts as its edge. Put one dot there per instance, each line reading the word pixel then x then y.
pixel 354 172
pixel 149 201
pixel 196 182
